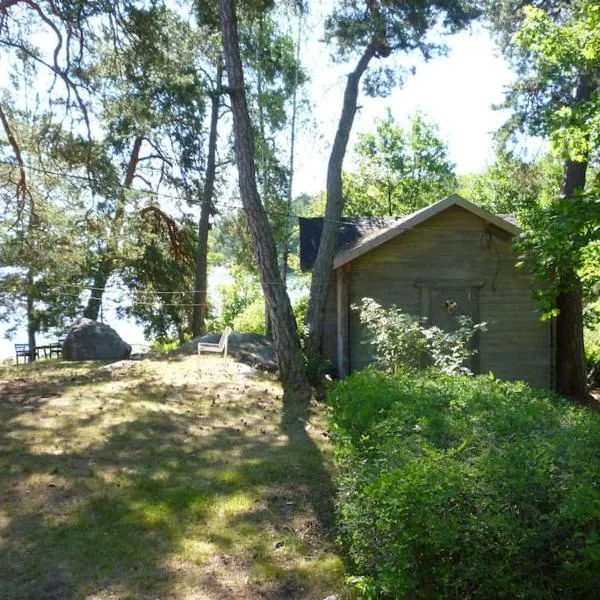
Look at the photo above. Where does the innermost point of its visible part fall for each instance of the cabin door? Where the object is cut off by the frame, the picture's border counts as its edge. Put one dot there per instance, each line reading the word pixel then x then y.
pixel 443 303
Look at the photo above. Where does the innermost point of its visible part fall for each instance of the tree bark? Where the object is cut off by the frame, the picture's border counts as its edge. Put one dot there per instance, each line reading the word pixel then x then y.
pixel 22 187
pixel 100 280
pixel 570 355
pixel 289 198
pixel 285 336
pixel 31 320
pixel 109 254
pixel 323 265
pixel 201 280
pixel 570 358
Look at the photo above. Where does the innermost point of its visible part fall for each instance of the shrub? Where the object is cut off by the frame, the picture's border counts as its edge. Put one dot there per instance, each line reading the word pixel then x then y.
pixel 592 346
pixel 252 319
pixel 465 487
pixel 400 340
pixel 300 306
pixel 237 296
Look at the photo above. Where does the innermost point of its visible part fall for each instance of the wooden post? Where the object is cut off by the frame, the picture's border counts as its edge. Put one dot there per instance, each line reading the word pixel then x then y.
pixel 343 362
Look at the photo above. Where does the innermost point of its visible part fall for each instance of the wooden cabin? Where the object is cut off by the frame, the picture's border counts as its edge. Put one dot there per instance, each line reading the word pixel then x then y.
pixel 450 254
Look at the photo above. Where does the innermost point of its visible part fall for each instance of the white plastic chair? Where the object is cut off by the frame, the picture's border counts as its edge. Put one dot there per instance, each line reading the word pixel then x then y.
pixel 220 347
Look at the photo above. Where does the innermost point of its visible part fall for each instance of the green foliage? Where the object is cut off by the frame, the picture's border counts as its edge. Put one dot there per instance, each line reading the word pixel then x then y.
pixel 560 242
pixel 300 306
pixel 43 243
pixel 396 24
pixel 400 340
pixel 165 345
pixel 462 487
pixel 159 276
pixel 592 346
pixel 555 49
pixel 512 185
pixel 562 52
pixel 236 297
pixel 252 319
pixel 399 170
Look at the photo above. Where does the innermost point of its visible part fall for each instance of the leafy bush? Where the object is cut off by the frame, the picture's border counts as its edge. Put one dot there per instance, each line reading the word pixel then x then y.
pixel 465 487
pixel 236 297
pixel 300 306
pixel 165 345
pixel 252 319
pixel 400 340
pixel 592 346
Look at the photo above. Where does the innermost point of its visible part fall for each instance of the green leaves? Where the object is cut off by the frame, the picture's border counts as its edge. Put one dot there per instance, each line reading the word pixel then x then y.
pixel 399 170
pixel 403 341
pixel 457 487
pixel 399 25
pixel 558 52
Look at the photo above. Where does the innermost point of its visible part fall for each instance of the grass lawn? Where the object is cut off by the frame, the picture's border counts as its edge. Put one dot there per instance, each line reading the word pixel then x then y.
pixel 161 478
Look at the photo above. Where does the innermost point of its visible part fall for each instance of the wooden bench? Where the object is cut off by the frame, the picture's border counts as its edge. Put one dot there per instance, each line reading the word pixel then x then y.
pixel 221 346
pixel 48 350
pixel 22 350
pixel 56 348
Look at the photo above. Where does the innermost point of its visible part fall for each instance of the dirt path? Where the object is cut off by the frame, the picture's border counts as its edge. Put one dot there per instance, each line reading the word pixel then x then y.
pixel 160 479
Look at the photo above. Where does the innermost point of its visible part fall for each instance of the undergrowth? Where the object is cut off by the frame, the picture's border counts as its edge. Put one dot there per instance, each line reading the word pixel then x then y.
pixel 462 487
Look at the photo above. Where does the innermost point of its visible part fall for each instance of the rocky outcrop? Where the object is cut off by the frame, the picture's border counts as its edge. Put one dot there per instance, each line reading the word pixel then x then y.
pixel 90 340
pixel 250 348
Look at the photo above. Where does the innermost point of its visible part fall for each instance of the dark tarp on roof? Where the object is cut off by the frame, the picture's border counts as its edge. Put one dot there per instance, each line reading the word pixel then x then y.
pixel 350 230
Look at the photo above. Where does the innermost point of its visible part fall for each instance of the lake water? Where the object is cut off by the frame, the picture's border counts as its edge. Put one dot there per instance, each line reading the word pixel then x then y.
pixel 128 329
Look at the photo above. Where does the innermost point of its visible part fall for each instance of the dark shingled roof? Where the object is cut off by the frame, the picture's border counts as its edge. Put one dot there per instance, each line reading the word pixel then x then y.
pixel 350 230
pixel 354 232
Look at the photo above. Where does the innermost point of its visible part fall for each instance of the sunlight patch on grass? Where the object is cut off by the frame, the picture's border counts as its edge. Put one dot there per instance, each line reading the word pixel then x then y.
pixel 152 482
pixel 197 551
pixel 232 505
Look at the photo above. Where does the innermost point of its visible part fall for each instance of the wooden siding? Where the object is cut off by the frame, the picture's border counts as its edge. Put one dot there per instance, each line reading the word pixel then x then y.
pixel 454 247
pixel 329 341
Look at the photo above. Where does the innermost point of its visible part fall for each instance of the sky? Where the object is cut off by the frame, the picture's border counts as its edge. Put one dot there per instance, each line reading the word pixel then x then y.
pixel 456 92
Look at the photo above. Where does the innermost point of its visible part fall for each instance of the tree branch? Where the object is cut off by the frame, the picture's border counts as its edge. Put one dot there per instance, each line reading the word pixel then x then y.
pixel 22 187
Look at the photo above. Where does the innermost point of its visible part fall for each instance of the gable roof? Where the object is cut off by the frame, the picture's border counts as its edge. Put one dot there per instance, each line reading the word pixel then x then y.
pixel 350 231
pixel 360 235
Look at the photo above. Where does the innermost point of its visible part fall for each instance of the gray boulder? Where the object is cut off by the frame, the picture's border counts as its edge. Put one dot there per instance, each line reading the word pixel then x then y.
pixel 90 340
pixel 251 348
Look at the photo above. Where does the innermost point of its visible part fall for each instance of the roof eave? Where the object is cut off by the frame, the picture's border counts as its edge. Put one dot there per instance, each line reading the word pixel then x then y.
pixel 417 218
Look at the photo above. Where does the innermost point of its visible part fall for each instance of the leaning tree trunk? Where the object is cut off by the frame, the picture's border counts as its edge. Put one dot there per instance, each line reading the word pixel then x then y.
pixel 285 336
pixel 101 276
pixel 199 312
pixel 323 265
pixel 570 357
pixel 109 254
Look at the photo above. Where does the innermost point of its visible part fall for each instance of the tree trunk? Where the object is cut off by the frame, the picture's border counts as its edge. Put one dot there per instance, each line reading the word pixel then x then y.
pixel 285 336
pixel 94 303
pixel 109 254
pixel 201 281
pixel 570 356
pixel 289 198
pixel 570 359
pixel 31 320
pixel 323 265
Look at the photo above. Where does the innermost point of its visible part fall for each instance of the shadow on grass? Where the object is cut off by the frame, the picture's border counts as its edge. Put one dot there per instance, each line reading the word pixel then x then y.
pixel 175 499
